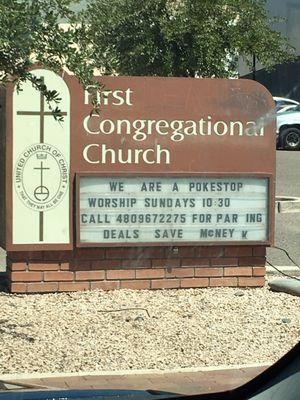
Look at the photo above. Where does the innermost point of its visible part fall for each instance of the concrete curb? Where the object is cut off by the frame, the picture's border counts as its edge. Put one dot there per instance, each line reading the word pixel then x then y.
pixel 290 270
pixel 17 377
pixel 287 204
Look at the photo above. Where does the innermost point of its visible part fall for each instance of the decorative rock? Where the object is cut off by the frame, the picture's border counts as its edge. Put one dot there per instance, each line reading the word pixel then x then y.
pixel 290 286
pixel 240 293
pixel 139 318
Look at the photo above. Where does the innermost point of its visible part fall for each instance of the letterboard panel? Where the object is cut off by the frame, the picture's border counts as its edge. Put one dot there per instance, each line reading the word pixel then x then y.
pixel 172 210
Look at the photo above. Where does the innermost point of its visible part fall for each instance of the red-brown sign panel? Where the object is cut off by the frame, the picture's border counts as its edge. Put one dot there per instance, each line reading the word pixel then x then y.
pixel 147 127
pixel 173 125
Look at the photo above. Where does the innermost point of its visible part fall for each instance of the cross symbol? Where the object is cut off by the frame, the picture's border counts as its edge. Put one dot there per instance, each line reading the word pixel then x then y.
pixel 41 192
pixel 41 113
pixel 41 168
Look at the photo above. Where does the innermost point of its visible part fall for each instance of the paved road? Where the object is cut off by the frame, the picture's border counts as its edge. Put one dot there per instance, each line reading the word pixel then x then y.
pixel 287 225
pixel 288 173
pixel 287 229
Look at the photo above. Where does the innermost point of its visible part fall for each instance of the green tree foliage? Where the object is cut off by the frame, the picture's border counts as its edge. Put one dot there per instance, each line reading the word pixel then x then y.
pixel 182 37
pixel 133 37
pixel 31 32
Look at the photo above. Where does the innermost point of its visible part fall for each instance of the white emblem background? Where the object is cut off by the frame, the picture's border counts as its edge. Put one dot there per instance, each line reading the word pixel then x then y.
pixel 26 132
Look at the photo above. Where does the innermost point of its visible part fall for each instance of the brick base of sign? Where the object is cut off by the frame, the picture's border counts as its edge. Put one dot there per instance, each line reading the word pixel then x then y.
pixel 136 268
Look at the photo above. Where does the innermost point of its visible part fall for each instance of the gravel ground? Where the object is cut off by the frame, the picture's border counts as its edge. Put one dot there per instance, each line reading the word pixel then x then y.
pixel 185 328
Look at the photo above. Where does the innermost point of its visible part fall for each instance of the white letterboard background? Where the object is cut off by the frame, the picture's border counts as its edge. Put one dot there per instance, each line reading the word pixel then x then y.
pixel 172 210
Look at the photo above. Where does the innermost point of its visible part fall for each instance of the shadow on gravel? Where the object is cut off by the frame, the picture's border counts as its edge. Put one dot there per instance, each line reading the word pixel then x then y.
pixel 3 282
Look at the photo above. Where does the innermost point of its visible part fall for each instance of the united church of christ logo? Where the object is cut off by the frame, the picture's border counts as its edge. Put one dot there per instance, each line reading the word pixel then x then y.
pixel 41 172
pixel 32 175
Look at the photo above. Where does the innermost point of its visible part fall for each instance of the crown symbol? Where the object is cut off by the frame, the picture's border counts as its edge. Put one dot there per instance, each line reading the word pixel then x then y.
pixel 41 156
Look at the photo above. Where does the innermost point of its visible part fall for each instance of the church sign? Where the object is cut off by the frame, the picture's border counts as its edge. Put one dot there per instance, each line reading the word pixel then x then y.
pixel 166 162
pixel 189 157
